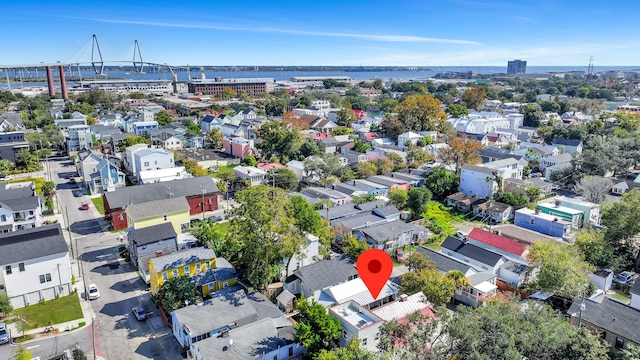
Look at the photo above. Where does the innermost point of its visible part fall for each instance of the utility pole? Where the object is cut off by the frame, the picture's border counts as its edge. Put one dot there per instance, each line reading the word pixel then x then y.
pixel 202 188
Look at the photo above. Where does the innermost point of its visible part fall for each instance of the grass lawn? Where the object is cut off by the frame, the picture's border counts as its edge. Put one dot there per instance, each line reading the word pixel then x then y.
pixel 441 219
pixel 222 170
pixel 224 226
pixel 435 246
pixel 57 311
pixel 99 204
pixel 620 296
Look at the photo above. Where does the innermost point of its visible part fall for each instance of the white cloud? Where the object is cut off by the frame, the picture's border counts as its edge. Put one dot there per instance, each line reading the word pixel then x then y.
pixel 372 37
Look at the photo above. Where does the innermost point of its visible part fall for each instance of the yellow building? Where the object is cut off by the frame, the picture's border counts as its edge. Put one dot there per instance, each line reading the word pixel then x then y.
pixel 174 210
pixel 209 273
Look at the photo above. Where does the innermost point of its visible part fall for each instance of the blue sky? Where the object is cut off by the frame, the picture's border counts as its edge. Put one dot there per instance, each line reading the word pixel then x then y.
pixel 347 32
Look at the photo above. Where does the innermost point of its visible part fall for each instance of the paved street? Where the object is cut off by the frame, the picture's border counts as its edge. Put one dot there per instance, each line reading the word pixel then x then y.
pixel 117 335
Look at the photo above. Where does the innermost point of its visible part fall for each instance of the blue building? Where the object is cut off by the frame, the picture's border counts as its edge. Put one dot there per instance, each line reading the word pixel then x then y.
pixel 142 128
pixel 543 223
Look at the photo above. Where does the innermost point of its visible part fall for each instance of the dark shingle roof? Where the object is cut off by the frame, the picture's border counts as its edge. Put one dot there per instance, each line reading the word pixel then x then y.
pixel 471 251
pixel 22 204
pixel 32 244
pixel 152 234
pixel 18 193
pixel 156 191
pixel 445 263
pixel 327 272
pixel 569 142
pixel 610 315
pixel 390 230
pixel 452 243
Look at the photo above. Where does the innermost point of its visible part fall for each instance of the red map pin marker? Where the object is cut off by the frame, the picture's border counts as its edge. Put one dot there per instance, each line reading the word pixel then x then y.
pixel 374 268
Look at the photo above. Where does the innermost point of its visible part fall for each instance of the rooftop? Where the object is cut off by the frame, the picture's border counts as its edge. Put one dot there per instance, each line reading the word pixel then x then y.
pixel 402 307
pixel 152 234
pixel 34 243
pixel 327 273
pixel 355 315
pixel 152 208
pixel 157 191
pixel 610 315
pixel 498 242
pixel 180 258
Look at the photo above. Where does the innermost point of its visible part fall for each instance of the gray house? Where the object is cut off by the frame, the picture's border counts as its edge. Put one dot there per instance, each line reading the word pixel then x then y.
pixel 391 235
pixel 145 243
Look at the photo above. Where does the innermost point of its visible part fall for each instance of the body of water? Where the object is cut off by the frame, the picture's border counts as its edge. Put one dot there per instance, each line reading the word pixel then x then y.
pixel 286 75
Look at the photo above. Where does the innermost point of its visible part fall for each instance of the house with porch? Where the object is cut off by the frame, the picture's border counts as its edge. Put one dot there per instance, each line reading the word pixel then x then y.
pixel 356 290
pixel 358 322
pixel 482 286
pixel 19 212
pixel 622 186
pixel 254 175
pixel 463 202
pixel 199 263
pixel 310 280
pixel 493 211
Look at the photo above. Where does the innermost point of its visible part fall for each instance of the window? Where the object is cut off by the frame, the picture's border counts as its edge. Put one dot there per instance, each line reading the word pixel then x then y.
pixel 532 221
pixel 165 218
pixel 619 342
pixel 186 270
pixel 175 273
pixel 198 267
pixel 363 342
pixel 3 218
pixel 207 265
pixel 8 269
pixel 165 276
pixel 225 285
pixel 344 334
pixel 155 162
pixel 290 351
pixel 45 278
pixel 21 267
pixel 146 163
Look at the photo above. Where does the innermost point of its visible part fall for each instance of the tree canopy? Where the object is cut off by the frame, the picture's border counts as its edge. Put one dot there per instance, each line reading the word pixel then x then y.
pixel 316 329
pixel 175 291
pixel 421 113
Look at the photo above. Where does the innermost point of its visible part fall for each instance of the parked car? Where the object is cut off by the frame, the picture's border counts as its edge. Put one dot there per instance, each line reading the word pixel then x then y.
pixel 72 180
pixel 5 177
pixel 399 255
pixel 461 235
pixel 624 277
pixel 77 193
pixel 139 313
pixel 93 292
pixel 4 334
pixel 215 218
pixel 84 207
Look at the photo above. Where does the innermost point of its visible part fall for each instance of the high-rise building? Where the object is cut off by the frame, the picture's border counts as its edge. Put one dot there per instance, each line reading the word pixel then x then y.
pixel 516 67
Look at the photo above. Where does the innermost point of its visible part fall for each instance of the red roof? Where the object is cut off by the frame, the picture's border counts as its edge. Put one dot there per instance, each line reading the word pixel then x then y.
pixel 370 135
pixel 498 242
pixel 270 166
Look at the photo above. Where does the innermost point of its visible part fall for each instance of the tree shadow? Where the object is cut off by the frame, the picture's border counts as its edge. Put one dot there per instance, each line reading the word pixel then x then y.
pixel 86 227
pixel 267 345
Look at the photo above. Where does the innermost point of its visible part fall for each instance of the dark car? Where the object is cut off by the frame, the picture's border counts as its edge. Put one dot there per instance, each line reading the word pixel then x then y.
pixel 624 278
pixel 139 313
pixel 400 255
pixel 72 181
pixel 77 193
pixel 215 218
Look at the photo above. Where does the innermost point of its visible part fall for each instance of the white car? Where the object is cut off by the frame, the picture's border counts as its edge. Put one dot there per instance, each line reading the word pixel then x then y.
pixel 93 292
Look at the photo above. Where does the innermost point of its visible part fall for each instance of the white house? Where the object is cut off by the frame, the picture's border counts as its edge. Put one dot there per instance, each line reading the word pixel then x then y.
pixel 162 175
pixel 152 159
pixel 357 321
pixel 255 175
pixel 309 254
pixel 297 167
pixel 20 213
pixel 409 136
pixel 508 168
pixel 35 265
pixel 477 181
pixel 79 137
pixel 129 164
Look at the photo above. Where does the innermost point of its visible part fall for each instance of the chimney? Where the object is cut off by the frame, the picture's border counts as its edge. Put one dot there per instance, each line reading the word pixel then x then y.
pixel 557 203
pixel 158 253
pixel 403 297
pixel 537 211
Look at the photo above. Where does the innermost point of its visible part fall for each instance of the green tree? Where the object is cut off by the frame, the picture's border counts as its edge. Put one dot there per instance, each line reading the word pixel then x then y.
pixel 6 165
pixel 163 118
pixel 266 232
pixel 353 247
pixel 210 233
pixel 346 116
pixel 397 160
pixel 282 178
pixel 342 130
pixel 316 329
pixel 214 138
pixel 416 156
pixel 5 305
pixel 78 354
pixel 308 148
pixel 457 110
pixel 306 217
pixel 384 165
pixel 439 289
pixel 193 168
pixel 549 106
pixel 250 160
pixel 419 261
pixel 27 161
pixel 278 141
pixel 595 249
pixel 620 220
pixel 462 150
pixel 417 200
pixel 441 182
pixel 533 114
pixel 398 198
pixel 474 97
pixel 421 113
pixel 495 331
pixel 134 140
pixel 176 292
pixel 629 352
pixel 48 189
pixel 23 353
pixel 563 270
pixel 228 93
pixel 352 351
pixel 366 169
